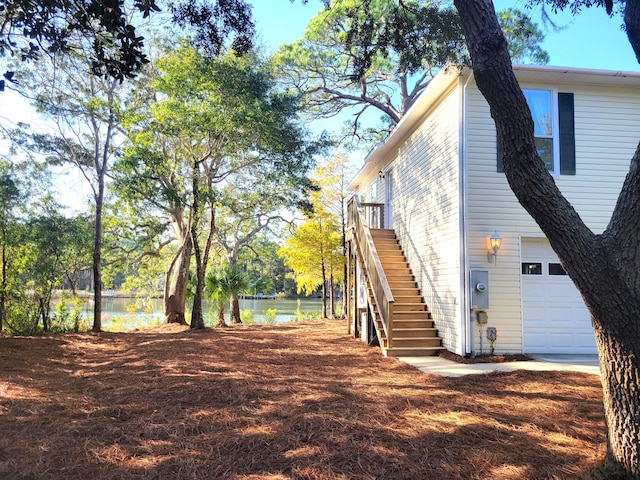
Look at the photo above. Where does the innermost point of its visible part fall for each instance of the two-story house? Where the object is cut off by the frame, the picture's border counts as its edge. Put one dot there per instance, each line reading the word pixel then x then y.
pixel 441 253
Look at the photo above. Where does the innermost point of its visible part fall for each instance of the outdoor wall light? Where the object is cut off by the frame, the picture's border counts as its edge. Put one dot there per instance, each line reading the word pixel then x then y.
pixel 380 174
pixel 495 242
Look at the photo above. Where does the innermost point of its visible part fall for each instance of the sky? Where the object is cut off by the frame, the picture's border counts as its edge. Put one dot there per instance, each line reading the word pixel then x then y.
pixel 589 40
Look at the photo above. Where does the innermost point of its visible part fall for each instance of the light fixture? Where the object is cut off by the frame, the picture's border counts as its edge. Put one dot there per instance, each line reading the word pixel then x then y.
pixel 495 242
pixel 380 174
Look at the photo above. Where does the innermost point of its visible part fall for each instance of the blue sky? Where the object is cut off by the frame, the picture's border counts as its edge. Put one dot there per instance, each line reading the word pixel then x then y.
pixel 589 40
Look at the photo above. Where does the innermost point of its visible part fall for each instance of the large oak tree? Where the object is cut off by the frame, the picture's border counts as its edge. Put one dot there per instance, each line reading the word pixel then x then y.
pixel 605 267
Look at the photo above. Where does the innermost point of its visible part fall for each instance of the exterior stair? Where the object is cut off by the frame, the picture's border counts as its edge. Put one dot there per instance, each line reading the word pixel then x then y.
pixel 412 329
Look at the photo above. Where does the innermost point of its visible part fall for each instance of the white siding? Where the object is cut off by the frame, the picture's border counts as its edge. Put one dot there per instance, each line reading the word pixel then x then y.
pixel 426 213
pixel 607 125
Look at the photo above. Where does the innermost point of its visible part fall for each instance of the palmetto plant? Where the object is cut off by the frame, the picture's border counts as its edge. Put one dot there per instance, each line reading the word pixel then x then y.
pixel 222 284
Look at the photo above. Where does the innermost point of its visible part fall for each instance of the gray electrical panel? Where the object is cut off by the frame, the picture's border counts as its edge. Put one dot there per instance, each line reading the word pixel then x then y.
pixel 479 288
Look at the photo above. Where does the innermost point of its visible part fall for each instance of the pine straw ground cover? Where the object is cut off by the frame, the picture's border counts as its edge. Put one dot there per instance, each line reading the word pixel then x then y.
pixel 286 401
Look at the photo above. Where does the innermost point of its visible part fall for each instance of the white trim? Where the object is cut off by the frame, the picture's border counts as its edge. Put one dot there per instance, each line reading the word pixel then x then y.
pixel 466 342
pixel 553 90
pixel 388 198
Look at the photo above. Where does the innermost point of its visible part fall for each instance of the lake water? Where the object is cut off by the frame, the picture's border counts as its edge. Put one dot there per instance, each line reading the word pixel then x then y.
pixel 121 314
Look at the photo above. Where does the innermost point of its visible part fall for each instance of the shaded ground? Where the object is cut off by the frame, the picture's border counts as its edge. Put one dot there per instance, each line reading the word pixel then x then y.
pixel 486 358
pixel 288 401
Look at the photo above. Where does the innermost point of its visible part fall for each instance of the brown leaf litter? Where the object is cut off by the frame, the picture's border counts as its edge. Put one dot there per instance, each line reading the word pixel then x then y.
pixel 284 401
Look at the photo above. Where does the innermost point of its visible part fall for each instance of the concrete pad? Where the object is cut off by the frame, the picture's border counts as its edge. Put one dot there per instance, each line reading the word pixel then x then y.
pixel 448 368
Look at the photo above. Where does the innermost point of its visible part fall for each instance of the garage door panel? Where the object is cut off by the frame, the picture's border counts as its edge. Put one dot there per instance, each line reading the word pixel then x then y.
pixel 535 289
pixel 555 319
pixel 561 340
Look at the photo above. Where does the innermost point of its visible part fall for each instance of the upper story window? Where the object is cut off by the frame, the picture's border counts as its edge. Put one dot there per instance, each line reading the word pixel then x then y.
pixel 554 125
pixel 541 106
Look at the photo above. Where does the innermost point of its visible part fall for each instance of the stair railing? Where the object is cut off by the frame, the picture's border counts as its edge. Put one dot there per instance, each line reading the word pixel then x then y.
pixel 356 217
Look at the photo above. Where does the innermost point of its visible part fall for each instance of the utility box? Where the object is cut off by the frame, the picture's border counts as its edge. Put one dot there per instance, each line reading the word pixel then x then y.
pixel 479 288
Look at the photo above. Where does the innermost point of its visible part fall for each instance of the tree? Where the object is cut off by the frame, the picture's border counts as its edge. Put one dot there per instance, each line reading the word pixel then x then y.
pixel 604 267
pixel 84 111
pixel 201 123
pixel 379 55
pixel 335 67
pixel 56 248
pixel 264 268
pixel 9 197
pixel 333 179
pixel 28 29
pixel 314 253
pixel 222 284
pixel 523 37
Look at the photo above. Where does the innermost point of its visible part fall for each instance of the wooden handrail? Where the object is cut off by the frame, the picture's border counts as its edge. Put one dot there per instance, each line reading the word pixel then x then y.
pixel 369 255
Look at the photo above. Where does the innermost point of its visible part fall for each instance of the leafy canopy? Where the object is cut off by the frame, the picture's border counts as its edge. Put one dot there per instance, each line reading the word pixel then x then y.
pixel 28 29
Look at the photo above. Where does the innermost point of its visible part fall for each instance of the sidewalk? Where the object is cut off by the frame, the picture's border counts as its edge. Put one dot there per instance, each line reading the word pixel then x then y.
pixel 440 366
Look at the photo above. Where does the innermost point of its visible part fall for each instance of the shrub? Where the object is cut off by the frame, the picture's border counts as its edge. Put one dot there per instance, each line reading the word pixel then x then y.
pixel 269 315
pixel 246 316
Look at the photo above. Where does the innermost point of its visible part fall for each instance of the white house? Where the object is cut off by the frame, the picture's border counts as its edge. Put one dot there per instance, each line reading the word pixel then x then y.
pixel 437 182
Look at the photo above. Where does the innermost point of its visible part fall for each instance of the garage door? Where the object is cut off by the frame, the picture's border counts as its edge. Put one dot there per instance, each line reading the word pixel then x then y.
pixel 555 319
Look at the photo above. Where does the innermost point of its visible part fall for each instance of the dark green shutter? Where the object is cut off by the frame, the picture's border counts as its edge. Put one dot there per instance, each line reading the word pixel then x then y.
pixel 567 134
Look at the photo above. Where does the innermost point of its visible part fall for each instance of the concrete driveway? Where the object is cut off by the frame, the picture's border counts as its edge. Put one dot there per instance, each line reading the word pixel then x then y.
pixel 448 368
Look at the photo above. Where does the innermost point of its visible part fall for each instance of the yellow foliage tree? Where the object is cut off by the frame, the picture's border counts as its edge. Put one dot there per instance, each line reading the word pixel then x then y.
pixel 333 177
pixel 314 253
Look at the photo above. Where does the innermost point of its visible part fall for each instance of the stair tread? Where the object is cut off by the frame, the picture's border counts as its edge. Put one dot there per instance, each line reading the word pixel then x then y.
pixel 396 338
pixel 413 329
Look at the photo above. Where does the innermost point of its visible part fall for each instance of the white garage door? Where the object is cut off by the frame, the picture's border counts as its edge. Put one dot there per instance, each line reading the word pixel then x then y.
pixel 555 319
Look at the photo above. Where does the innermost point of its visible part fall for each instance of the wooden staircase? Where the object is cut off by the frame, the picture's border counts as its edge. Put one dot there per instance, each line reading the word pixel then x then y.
pixel 412 329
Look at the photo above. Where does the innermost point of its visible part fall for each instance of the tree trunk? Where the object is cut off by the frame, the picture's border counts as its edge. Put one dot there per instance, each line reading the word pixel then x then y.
pixel 324 291
pixel 221 321
pixel 43 314
pixel 603 267
pixel 3 281
pixel 175 298
pixel 197 318
pixel 332 294
pixel 618 343
pixel 97 257
pixel 234 312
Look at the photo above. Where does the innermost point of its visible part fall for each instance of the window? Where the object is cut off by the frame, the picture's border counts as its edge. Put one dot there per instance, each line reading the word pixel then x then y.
pixel 556 269
pixel 541 107
pixel 554 125
pixel 532 268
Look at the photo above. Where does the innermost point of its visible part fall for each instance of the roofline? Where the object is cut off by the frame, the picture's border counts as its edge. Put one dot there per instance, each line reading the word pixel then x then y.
pixel 588 72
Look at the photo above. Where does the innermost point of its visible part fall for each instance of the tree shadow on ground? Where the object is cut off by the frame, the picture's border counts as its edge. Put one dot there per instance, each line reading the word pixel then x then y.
pixel 278 402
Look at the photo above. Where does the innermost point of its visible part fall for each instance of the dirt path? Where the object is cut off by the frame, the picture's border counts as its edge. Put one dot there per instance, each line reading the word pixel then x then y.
pixel 288 401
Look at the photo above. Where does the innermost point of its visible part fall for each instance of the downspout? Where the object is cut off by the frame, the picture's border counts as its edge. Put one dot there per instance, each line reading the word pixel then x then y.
pixel 466 344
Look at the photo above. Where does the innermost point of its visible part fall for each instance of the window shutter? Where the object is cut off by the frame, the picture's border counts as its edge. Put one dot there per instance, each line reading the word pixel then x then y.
pixel 499 153
pixel 567 134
